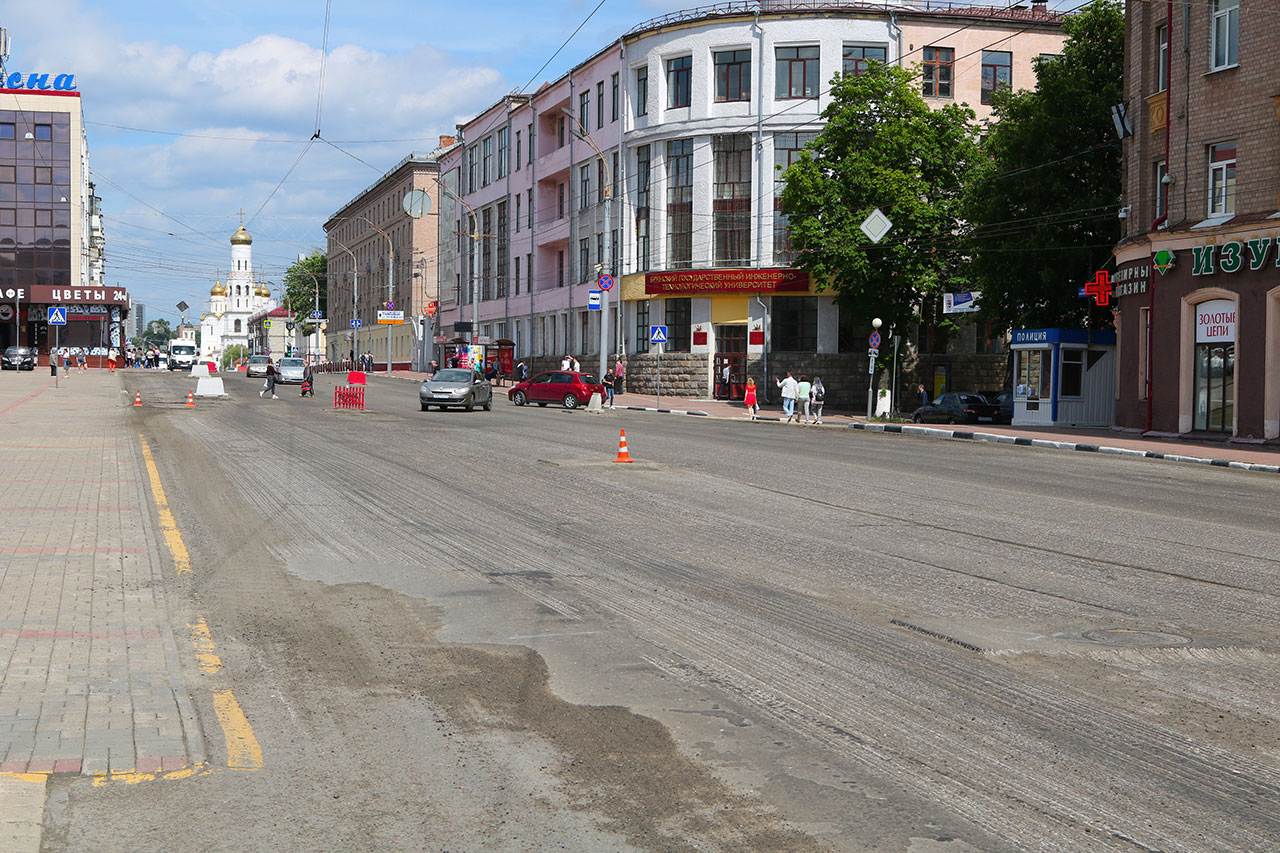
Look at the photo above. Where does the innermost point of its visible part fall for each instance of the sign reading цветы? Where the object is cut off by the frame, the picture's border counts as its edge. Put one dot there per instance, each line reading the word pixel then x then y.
pixel 1216 322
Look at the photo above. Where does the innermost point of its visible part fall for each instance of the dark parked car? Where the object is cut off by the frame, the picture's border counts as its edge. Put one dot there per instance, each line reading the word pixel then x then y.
pixel 1003 401
pixel 565 387
pixel 456 387
pixel 956 407
pixel 18 358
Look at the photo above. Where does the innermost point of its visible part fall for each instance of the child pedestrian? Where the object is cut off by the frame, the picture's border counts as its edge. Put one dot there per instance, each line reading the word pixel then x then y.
pixel 817 394
pixel 749 399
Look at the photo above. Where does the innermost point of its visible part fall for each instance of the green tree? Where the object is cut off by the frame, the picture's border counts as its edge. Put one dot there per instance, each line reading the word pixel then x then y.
pixel 882 147
pixel 158 333
pixel 301 282
pixel 233 354
pixel 1042 205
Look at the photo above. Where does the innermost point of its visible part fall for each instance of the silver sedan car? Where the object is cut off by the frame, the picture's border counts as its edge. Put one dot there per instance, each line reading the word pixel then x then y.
pixel 456 388
pixel 291 371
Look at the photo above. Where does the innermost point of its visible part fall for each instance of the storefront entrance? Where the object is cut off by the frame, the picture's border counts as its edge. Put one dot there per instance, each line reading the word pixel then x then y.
pixel 730 361
pixel 1215 391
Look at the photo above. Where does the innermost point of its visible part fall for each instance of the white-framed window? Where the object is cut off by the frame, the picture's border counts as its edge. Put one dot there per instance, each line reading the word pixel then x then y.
pixel 1222 179
pixel 1224 34
pixel 1162 58
pixel 1159 172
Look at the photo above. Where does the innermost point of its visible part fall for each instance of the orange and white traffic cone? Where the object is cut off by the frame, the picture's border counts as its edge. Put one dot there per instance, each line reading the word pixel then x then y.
pixel 624 455
pixel 191 400
pixel 137 400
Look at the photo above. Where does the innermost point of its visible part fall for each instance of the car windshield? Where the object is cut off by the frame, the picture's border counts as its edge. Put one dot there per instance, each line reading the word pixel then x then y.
pixel 453 375
pixel 291 362
pixel 586 379
pixel 259 359
pixel 970 399
pixel 184 350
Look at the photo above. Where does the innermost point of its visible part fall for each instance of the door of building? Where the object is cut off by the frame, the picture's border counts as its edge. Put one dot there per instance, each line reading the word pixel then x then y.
pixel 730 361
pixel 1215 394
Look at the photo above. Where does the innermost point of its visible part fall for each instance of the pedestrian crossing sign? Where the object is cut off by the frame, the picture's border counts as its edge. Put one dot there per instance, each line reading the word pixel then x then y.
pixel 57 315
pixel 657 334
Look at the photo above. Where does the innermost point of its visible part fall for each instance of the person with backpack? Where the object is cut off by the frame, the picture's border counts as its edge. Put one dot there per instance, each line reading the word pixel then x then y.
pixel 817 394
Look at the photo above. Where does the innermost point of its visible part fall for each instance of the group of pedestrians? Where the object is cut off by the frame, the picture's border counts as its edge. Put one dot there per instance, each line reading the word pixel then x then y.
pixel 802 400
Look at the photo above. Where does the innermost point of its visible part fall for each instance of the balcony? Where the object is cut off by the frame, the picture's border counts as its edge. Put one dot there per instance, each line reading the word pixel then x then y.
pixel 553 232
pixel 552 164
pixel 1158 111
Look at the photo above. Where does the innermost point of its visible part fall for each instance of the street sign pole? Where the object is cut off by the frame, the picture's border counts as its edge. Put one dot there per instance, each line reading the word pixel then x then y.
pixel 659 376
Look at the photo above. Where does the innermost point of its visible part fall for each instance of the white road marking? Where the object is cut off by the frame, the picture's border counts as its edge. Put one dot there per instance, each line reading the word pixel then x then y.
pixel 540 636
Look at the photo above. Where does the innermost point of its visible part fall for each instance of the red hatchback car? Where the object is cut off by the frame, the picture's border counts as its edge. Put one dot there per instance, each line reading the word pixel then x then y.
pixel 565 387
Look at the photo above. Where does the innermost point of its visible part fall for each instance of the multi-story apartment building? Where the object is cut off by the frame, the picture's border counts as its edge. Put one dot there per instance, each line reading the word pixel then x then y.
pixel 674 135
pixel 1197 286
pixel 378 256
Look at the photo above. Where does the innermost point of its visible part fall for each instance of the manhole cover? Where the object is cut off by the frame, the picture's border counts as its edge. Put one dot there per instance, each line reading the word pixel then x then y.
pixel 1135 637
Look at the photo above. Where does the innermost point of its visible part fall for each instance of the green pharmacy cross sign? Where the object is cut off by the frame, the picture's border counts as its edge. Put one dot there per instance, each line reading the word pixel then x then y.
pixel 1163 260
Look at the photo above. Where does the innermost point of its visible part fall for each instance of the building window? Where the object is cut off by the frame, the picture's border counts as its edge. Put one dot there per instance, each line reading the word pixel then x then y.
pixel 642 208
pixel 8 216
pixel 797 72
pixel 7 174
pixel 936 72
pixel 733 75
pixel 516 274
pixel 503 250
pixel 529 209
pixel 642 326
pixel 486 169
pixel 560 129
pixel 44 218
pixel 615 177
pixel 560 200
pixel 560 268
pixel 8 130
pixel 794 324
pixel 584 186
pixel 518 151
pixel 43 132
pixel 786 150
pixel 997 73
pixel 529 132
pixel 1222 179
pixel 486 253
pixel 44 175
pixel 601 181
pixel 600 250
pixel 504 152
pixel 584 112
pixel 238 327
pixel 642 91
pixel 1162 58
pixel 678 318
pixel 1225 34
pixel 584 257
pixel 679 74
pixel 1160 171
pixel 613 97
pixel 599 105
pixel 519 199
pixel 680 203
pixel 528 272
pixel 857 58
pixel 1071 382
pixel 731 201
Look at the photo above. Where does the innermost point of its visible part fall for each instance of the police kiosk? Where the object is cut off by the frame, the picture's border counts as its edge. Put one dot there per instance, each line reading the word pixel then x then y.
pixel 1063 377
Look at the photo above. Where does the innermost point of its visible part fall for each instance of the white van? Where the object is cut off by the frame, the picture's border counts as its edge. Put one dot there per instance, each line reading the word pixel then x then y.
pixel 182 355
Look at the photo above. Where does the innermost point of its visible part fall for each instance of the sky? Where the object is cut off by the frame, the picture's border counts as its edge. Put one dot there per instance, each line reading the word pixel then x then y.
pixel 196 109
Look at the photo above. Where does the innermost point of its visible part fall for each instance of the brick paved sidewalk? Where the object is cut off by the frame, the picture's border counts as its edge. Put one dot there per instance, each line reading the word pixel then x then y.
pixel 90 679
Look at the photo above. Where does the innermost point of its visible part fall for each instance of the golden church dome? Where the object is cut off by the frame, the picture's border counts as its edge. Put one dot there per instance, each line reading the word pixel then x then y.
pixel 241 237
pixel 262 291
pixel 219 289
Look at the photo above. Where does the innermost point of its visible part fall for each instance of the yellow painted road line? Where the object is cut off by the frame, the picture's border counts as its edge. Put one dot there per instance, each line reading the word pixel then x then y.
pixel 22 797
pixel 243 752
pixel 168 527
pixel 206 651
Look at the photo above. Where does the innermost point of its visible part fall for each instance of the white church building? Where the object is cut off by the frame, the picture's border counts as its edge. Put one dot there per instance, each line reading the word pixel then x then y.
pixel 226 322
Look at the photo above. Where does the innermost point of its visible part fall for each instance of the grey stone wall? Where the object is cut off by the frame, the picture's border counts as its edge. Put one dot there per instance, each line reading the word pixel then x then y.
pixel 683 374
pixel 844 375
pixel 971 372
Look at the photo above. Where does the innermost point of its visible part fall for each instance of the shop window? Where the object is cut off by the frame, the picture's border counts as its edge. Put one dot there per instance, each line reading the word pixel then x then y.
pixel 679 74
pixel 1071 382
pixel 679 320
pixel 793 322
pixel 1032 373
pixel 642 326
pixel 1224 34
pixel 857 58
pixel 1222 179
pixel 936 71
pixel 1215 365
pixel 733 75
pixel 796 72
pixel 997 73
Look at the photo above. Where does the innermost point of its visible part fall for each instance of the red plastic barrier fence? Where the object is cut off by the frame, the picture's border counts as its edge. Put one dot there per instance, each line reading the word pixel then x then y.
pixel 349 397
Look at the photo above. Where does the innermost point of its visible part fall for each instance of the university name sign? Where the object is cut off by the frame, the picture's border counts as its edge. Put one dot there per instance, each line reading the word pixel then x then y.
pixel 783 280
pixel 17 81
pixel 1234 256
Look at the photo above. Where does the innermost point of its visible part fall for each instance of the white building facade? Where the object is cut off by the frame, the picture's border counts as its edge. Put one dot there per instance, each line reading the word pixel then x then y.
pixel 226 321
pixel 686 123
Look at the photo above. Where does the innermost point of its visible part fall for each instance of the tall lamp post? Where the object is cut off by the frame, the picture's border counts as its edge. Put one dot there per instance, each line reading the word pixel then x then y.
pixel 605 264
pixel 315 305
pixel 872 351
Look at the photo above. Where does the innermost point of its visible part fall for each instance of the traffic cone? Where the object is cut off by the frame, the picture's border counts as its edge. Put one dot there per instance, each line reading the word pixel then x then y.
pixel 191 400
pixel 137 400
pixel 624 455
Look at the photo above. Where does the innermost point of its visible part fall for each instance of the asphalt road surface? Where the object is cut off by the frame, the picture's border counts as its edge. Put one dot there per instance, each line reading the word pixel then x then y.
pixel 456 631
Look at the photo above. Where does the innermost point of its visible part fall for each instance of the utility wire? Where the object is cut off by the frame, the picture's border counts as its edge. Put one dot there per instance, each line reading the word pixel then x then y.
pixel 324 59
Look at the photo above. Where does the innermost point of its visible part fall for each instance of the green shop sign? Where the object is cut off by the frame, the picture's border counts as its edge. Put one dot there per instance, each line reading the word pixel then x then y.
pixel 1231 257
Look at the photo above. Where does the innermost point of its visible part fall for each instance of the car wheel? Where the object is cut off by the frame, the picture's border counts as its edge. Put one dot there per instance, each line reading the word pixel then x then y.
pixel 570 401
pixel 424 406
pixel 518 398
pixel 916 419
pixel 950 421
pixel 488 405
pixel 471 404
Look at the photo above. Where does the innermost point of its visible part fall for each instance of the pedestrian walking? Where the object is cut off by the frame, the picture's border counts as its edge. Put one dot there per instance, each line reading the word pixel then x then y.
pixel 817 394
pixel 789 386
pixel 82 361
pixel 522 372
pixel 749 399
pixel 269 386
pixel 609 380
pixel 308 378
pixel 922 398
pixel 803 401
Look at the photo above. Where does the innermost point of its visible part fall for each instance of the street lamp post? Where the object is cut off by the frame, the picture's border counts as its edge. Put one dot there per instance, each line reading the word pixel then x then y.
pixel 871 368
pixel 604 266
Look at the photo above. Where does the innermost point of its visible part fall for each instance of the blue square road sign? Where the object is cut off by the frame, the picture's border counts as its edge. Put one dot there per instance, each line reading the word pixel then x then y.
pixel 657 334
pixel 57 315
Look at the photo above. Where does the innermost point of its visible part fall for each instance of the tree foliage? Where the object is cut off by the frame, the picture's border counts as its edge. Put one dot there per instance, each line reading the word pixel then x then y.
pixel 158 332
pixel 301 281
pixel 883 147
pixel 1042 204
pixel 232 355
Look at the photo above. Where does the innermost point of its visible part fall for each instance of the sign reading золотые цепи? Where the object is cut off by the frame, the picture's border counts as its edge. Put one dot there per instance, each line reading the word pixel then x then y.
pixel 17 81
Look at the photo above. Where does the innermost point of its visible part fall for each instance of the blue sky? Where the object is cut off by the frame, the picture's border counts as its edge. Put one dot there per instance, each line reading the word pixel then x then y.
pixel 246 72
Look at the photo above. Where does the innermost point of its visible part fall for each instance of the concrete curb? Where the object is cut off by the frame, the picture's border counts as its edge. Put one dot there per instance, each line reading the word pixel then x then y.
pixel 1082 447
pixel 691 412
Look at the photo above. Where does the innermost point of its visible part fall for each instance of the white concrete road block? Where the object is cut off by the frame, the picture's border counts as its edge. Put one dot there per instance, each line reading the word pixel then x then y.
pixel 593 405
pixel 199 369
pixel 210 386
